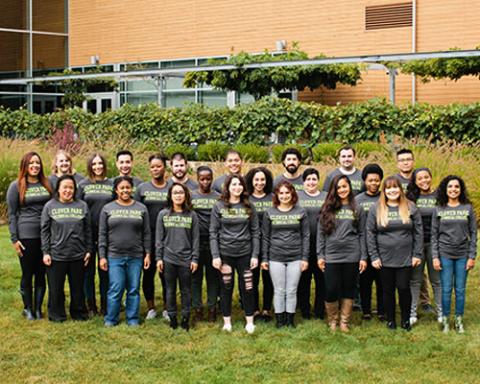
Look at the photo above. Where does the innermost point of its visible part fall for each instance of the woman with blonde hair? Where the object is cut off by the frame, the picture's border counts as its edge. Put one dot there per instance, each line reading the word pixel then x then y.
pixel 395 245
pixel 62 164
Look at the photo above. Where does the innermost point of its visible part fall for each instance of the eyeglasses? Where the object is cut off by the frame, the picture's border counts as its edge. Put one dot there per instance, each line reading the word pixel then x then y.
pixel 407 160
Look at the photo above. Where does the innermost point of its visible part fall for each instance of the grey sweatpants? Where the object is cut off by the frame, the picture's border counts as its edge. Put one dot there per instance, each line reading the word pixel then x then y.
pixel 285 278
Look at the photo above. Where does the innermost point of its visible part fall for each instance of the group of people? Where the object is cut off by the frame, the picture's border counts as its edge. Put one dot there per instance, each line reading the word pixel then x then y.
pixel 357 229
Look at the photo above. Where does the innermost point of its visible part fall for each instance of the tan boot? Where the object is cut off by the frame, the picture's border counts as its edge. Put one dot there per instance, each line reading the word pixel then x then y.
pixel 332 315
pixel 345 314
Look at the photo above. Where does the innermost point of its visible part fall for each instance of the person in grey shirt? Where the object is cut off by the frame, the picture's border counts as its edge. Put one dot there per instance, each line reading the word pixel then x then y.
pixel 312 199
pixel 346 158
pixel 234 242
pixel 124 243
pixel 67 247
pixel 260 184
pixel 420 191
pixel 454 245
pixel 63 165
pixel 177 249
pixel 372 175
pixel 395 246
pixel 233 163
pixel 153 194
pixel 203 200
pixel 26 197
pixel 96 190
pixel 291 161
pixel 124 164
pixel 341 250
pixel 285 250
pixel 179 166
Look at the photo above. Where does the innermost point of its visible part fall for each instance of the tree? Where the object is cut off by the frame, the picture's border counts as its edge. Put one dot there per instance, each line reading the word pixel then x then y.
pixel 261 82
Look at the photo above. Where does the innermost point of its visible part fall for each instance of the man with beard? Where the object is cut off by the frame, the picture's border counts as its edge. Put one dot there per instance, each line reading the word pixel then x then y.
pixel 291 160
pixel 346 158
pixel 179 166
pixel 124 163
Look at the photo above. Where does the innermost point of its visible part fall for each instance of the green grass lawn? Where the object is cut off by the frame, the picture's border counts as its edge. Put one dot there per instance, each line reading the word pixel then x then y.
pixel 73 352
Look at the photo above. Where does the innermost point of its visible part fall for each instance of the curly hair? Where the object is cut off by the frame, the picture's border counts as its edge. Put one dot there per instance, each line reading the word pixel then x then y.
pixel 225 197
pixel 442 198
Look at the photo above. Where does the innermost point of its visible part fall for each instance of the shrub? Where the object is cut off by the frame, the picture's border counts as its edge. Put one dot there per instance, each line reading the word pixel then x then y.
pixel 325 150
pixel 187 150
pixel 214 151
pixel 253 153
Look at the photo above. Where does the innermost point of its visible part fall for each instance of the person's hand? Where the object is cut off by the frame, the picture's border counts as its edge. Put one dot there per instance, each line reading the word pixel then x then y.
pixel 362 266
pixel 321 264
pixel 304 266
pixel 470 264
pixel 253 263
pixel 377 264
pixel 217 263
pixel 47 260
pixel 19 248
pixel 86 259
pixel 147 261
pixel 103 264
pixel 264 266
pixel 416 262
pixel 437 265
pixel 193 266
pixel 160 266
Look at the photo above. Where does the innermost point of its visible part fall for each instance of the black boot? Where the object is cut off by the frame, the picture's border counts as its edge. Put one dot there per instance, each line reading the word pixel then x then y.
pixel 27 304
pixel 103 306
pixel 173 322
pixel 92 307
pixel 290 320
pixel 185 323
pixel 280 319
pixel 39 295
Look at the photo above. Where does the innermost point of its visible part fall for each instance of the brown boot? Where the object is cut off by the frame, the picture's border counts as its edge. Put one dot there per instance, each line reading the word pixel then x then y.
pixel 198 315
pixel 332 315
pixel 345 314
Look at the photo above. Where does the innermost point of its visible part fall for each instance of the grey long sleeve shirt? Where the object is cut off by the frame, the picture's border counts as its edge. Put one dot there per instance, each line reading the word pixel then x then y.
pixel 285 235
pixel 154 198
pixel 426 205
pixel 454 232
pixel 96 195
pixel 66 230
pixel 233 232
pixel 203 204
pixel 124 230
pixel 355 179
pixel 177 237
pixel 397 243
pixel 24 220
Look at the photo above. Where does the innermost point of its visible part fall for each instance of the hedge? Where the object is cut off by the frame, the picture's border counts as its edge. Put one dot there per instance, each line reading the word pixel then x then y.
pixel 296 122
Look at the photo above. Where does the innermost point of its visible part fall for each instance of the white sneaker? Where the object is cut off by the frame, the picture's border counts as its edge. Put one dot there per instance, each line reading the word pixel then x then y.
pixel 227 327
pixel 413 320
pixel 165 315
pixel 440 319
pixel 151 314
pixel 250 328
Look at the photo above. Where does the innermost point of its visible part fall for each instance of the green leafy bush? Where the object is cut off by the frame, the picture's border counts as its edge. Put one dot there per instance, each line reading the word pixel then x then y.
pixel 188 151
pixel 212 151
pixel 253 153
pixel 323 151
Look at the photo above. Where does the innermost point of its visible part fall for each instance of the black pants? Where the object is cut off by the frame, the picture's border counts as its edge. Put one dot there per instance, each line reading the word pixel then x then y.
pixel 367 278
pixel 57 272
pixel 267 289
pixel 32 266
pixel 148 280
pixel 212 278
pixel 89 277
pixel 398 278
pixel 245 282
pixel 340 281
pixel 173 273
pixel 303 292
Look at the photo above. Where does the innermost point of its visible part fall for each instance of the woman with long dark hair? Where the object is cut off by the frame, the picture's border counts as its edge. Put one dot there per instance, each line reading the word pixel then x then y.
pixel 341 250
pixel 96 190
pixel 67 246
pixel 395 246
pixel 124 242
pixel 234 241
pixel 454 245
pixel 420 191
pixel 259 184
pixel 177 244
pixel 26 198
pixel 285 249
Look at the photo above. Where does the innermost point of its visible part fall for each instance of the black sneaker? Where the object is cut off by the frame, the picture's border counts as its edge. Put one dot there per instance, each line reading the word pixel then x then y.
pixel 391 325
pixel 173 322
pixel 406 325
pixel 185 324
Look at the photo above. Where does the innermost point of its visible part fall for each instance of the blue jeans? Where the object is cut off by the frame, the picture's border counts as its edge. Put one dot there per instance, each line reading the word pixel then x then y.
pixel 453 272
pixel 123 273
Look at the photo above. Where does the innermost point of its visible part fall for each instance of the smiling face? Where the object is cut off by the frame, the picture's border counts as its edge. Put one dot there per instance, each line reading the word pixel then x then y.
pixel 97 166
pixel 343 190
pixel 259 181
pixel 157 169
pixel 34 166
pixel 178 196
pixel 179 168
pixel 235 188
pixel 66 191
pixel 124 165
pixel 423 180
pixel 372 183
pixel 392 193
pixel 453 189
pixel 63 164
pixel 233 163
pixel 311 183
pixel 205 179
pixel 284 196
pixel 291 163
pixel 405 162
pixel 346 158
pixel 124 191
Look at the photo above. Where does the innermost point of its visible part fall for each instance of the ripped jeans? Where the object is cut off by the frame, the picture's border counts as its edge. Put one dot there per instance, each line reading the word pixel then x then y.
pixel 245 281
